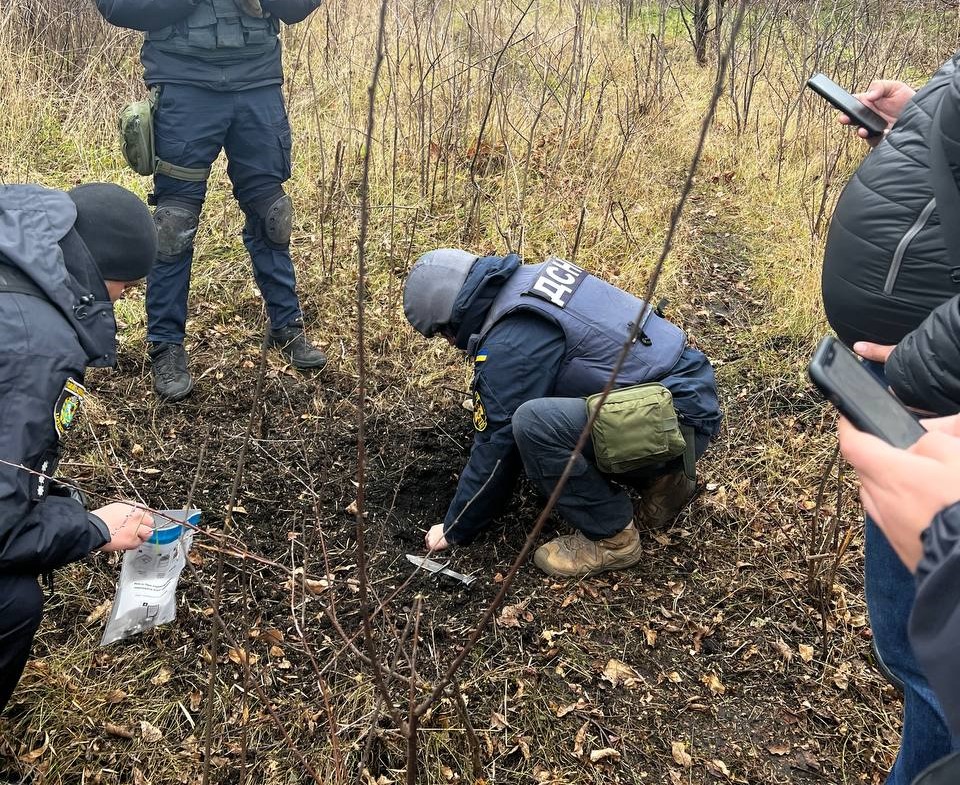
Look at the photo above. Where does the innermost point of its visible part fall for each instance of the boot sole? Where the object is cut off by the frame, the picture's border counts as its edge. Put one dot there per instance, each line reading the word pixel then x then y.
pixel 307 366
pixel 174 398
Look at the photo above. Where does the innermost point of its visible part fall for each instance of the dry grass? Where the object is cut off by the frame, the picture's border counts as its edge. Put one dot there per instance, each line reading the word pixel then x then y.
pixel 578 120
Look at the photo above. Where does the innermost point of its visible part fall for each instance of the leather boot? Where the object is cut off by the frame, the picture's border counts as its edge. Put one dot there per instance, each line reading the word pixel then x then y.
pixel 293 344
pixel 171 377
pixel 663 500
pixel 573 555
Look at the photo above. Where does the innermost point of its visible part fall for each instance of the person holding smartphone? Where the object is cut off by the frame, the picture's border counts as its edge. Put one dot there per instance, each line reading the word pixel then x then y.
pixel 913 496
pixel 889 277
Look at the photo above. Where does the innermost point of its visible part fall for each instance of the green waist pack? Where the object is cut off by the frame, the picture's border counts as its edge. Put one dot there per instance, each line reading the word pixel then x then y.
pixel 637 426
pixel 136 143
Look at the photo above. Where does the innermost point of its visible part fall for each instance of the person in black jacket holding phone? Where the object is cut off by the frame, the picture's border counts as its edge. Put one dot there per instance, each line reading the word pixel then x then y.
pixel 216 67
pixel 890 279
pixel 64 259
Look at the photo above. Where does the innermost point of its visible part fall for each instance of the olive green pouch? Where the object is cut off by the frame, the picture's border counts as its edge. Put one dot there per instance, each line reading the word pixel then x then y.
pixel 137 145
pixel 637 426
pixel 136 136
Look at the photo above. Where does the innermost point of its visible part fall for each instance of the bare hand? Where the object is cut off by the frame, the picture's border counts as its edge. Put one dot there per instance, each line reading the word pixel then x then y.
pixel 948 425
pixel 435 539
pixel 873 351
pixel 129 525
pixel 903 490
pixel 887 98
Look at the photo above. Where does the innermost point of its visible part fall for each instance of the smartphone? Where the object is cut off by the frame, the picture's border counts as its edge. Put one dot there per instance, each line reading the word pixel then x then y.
pixel 857 111
pixel 860 396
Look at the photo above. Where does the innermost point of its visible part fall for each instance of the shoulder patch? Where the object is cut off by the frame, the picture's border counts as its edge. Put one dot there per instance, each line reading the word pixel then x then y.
pixel 479 413
pixel 481 356
pixel 68 405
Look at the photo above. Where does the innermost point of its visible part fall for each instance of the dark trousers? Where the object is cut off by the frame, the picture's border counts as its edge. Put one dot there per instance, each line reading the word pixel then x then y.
pixel 191 126
pixel 21 608
pixel 546 431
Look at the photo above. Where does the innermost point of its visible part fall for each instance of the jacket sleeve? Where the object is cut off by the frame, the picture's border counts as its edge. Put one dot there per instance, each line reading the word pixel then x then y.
pixel 935 620
pixel 924 369
pixel 36 536
pixel 145 14
pixel 291 11
pixel 517 362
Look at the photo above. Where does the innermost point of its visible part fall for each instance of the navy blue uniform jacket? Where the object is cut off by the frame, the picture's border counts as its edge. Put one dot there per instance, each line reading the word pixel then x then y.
pixel 47 343
pixel 167 68
pixel 519 361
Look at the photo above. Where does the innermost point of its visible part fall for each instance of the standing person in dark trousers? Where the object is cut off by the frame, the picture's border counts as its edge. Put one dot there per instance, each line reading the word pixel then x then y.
pixel 543 338
pixel 216 68
pixel 64 259
pixel 888 269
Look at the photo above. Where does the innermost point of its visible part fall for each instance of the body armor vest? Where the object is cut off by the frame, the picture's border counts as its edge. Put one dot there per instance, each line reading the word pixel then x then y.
pixel 596 318
pixel 217 31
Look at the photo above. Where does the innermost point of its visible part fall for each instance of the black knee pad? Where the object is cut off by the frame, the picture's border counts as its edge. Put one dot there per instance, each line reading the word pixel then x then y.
pixel 271 219
pixel 177 221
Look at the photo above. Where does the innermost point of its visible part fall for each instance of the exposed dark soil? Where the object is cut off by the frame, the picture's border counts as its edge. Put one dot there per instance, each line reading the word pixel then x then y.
pixel 693 667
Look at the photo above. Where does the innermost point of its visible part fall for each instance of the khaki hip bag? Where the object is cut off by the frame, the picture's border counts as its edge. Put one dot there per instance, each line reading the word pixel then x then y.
pixel 636 427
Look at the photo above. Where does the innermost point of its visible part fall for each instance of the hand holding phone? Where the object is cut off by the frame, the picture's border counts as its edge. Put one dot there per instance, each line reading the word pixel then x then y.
pixel 860 396
pixel 858 112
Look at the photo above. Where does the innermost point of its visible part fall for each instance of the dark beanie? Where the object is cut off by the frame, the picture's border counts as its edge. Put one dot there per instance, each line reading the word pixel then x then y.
pixel 117 229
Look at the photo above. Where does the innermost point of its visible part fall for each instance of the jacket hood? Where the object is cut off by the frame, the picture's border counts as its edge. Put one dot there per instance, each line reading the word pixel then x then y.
pixel 37 237
pixel 477 294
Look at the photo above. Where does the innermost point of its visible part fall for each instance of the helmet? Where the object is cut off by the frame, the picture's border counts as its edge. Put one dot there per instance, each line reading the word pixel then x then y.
pixel 432 287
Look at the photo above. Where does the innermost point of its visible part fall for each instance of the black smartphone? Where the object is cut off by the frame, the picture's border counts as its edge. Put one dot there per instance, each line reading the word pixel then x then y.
pixel 856 110
pixel 860 396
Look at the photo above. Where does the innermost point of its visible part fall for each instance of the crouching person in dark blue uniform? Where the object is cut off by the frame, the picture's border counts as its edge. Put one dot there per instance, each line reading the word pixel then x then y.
pixel 64 260
pixel 216 68
pixel 544 338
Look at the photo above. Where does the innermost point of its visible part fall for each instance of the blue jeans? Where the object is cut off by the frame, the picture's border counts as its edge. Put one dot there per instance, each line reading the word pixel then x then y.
pixel 890 591
pixel 546 431
pixel 191 126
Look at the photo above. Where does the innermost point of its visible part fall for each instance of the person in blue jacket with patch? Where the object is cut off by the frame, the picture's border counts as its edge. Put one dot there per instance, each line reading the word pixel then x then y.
pixel 215 67
pixel 543 338
pixel 64 259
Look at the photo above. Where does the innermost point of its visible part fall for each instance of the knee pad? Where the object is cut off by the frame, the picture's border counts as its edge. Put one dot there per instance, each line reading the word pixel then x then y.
pixel 271 219
pixel 177 221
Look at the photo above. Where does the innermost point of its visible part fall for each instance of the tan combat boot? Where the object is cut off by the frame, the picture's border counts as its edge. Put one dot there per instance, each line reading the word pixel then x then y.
pixel 573 555
pixel 663 500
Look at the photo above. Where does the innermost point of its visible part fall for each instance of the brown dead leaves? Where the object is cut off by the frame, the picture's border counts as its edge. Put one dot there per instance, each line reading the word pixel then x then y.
pixel 618 673
pixel 513 615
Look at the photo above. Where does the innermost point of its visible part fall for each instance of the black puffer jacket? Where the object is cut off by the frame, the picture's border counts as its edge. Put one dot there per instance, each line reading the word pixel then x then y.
pixel 886 266
pixel 924 369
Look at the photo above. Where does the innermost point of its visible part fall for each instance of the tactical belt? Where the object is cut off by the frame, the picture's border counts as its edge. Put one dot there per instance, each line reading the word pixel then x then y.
pixel 15 281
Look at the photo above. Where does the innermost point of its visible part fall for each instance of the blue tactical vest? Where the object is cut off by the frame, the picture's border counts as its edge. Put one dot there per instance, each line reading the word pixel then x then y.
pixel 218 31
pixel 596 318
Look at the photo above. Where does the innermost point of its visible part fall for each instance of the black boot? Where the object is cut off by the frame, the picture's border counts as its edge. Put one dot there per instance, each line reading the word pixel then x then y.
pixel 171 377
pixel 293 344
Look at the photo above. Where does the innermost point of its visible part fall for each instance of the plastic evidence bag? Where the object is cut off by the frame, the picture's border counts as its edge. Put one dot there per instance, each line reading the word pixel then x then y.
pixel 147 590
